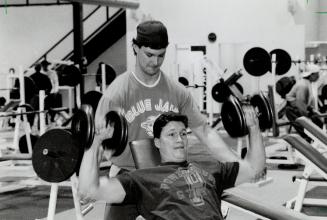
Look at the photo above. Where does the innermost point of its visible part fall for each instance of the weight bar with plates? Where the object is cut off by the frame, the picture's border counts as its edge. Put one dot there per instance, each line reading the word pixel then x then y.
pixel 185 82
pixel 233 117
pixel 110 74
pixel 23 143
pixel 58 153
pixel 27 107
pixel 53 110
pixel 257 61
pixel 69 75
pixel 221 91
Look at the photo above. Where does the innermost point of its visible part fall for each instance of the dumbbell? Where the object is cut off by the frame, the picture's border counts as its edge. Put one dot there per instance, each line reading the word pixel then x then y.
pixel 83 129
pixel 58 153
pixel 233 117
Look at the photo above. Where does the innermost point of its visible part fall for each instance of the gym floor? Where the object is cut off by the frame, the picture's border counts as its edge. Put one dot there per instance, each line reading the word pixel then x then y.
pixel 32 202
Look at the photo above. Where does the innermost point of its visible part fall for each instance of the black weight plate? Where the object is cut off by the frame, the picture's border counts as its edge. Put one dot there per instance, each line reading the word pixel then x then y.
pixel 22 144
pixel 324 92
pixel 120 135
pixel 110 74
pixel 183 81
pixel 82 126
pixel 263 109
pixel 92 98
pixel 69 75
pixel 233 118
pixel 30 89
pixel 283 61
pixel 220 92
pixel 270 112
pixel 239 87
pixel 257 61
pixel 56 156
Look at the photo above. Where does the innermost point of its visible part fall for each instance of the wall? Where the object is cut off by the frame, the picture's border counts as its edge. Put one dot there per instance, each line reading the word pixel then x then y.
pixel 27 32
pixel 115 56
pixel 239 25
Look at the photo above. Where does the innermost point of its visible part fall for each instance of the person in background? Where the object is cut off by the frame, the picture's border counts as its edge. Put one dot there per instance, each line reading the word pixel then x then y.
pixel 301 101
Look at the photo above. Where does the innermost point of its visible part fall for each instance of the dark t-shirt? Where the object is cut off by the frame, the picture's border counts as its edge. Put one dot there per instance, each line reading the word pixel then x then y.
pixel 179 190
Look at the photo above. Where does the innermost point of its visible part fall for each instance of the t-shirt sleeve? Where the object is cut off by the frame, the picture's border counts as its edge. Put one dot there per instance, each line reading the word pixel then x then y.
pixel 190 108
pixel 226 175
pixel 129 186
pixel 108 102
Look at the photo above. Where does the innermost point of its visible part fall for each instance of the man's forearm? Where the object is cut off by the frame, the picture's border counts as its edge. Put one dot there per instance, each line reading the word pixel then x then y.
pixel 89 172
pixel 256 153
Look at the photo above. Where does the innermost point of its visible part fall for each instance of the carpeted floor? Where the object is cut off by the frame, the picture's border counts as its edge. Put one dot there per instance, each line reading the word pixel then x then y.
pixel 32 203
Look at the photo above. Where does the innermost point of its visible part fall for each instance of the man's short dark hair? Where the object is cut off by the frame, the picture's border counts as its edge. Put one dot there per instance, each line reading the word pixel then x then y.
pixel 164 119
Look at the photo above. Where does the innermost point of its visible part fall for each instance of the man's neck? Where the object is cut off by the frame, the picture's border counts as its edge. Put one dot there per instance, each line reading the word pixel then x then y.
pixel 145 79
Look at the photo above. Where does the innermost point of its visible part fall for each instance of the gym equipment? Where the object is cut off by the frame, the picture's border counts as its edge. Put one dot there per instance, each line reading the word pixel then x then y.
pixel 283 61
pixel 110 74
pixel 30 89
pixel 183 80
pixel 322 102
pixel 257 61
pixel 35 112
pixel 233 117
pixel 27 108
pixel 69 75
pixel 224 88
pixel 83 129
pixel 262 107
pixel 91 98
pixel 315 163
pixel 23 143
pixel 58 153
pixel 56 156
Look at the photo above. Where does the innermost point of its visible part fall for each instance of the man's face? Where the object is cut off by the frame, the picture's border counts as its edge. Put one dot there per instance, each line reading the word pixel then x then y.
pixel 150 60
pixel 173 142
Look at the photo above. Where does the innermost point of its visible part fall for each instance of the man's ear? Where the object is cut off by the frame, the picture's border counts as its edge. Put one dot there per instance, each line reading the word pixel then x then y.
pixel 135 48
pixel 157 143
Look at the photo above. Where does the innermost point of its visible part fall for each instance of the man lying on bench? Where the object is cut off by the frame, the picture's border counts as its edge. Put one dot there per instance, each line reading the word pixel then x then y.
pixel 176 189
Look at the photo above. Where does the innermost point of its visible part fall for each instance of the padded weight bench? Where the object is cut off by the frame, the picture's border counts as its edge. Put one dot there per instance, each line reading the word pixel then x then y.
pixel 317 134
pixel 146 155
pixel 314 162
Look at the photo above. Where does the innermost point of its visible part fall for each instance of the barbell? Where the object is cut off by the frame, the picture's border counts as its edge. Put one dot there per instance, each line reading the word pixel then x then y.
pixel 58 153
pixel 257 61
pixel 71 75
